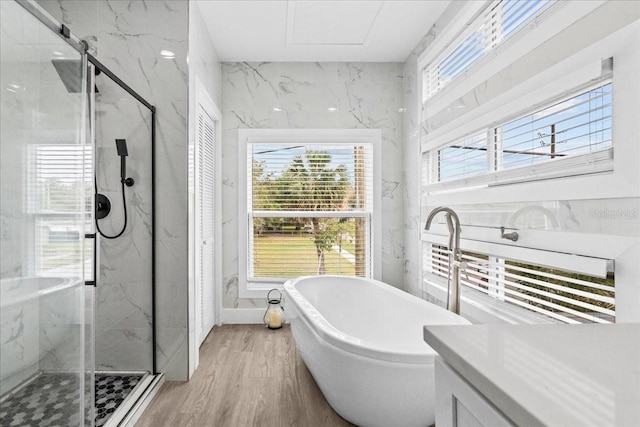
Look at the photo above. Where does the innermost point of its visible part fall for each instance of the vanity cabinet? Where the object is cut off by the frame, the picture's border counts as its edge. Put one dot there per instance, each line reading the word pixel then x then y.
pixel 536 375
pixel 459 404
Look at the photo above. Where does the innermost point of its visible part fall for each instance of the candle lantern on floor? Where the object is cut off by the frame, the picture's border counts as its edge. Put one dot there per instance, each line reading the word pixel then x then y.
pixel 274 316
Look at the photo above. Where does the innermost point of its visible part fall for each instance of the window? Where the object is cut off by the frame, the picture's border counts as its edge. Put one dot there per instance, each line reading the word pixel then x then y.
pixel 466 157
pixel 560 295
pixel 59 176
pixel 562 132
pixel 503 19
pixel 309 207
pixel 523 139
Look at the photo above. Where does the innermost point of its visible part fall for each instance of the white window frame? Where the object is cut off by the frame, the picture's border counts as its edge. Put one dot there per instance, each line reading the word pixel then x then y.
pixel 255 289
pixel 598 161
pixel 577 68
pixel 479 17
pixel 487 307
pixel 555 82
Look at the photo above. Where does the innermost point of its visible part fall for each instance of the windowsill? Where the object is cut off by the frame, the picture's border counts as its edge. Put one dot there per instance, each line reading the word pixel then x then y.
pixel 257 290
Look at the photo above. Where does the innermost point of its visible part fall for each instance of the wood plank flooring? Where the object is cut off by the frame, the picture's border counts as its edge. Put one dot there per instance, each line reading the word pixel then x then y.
pixel 248 376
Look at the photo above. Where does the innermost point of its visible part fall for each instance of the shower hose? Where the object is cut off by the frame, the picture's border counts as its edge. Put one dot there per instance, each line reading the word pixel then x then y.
pixel 124 204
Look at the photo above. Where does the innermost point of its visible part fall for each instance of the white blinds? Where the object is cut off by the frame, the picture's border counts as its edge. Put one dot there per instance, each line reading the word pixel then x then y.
pixel 564 296
pixel 497 24
pixel 466 157
pixel 315 178
pixel 57 176
pixel 310 208
pixel 581 124
pixel 576 126
pixel 59 180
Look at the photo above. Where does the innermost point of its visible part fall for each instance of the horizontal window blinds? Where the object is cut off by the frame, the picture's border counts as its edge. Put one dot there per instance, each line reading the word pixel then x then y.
pixel 57 176
pixel 59 180
pixel 466 157
pixel 577 126
pixel 487 32
pixel 285 247
pixel 314 178
pixel 564 296
pixel 309 209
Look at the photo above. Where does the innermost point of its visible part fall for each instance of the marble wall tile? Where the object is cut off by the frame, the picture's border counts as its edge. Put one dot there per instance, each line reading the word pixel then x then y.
pixel 173 350
pixel 12 242
pixel 19 338
pixel 128 346
pixel 127 37
pixel 613 217
pixel 366 95
pixel 60 331
pixel 411 161
pixel 35 110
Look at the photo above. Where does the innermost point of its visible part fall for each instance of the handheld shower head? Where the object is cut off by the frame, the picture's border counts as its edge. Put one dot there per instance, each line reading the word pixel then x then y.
pixel 121 146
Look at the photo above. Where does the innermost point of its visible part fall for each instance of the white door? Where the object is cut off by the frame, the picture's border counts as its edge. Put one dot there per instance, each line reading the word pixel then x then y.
pixel 205 184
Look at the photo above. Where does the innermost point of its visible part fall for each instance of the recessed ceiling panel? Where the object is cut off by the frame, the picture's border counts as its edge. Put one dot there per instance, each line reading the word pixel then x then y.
pixel 317 30
pixel 331 22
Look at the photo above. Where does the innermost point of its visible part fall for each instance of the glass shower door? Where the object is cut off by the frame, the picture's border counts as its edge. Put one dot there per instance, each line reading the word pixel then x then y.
pixel 45 193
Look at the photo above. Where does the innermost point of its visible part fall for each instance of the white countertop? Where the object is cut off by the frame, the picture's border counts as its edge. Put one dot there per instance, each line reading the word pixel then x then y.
pixel 549 375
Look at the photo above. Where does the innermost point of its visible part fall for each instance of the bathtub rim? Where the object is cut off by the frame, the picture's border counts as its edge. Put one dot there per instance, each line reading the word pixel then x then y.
pixel 325 330
pixel 58 284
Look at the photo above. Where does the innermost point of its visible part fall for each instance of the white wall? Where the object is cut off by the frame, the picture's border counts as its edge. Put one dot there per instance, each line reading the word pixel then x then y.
pixel 205 67
pixel 411 159
pixel 366 95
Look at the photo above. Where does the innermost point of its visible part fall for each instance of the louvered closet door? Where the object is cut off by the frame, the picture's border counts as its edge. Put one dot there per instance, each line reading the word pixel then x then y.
pixel 205 230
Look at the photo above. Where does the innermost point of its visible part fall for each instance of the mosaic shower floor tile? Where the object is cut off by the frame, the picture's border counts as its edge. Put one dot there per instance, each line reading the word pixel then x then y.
pixel 53 400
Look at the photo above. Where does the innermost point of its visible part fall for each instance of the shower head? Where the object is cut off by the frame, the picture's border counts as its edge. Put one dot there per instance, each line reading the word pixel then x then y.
pixel 121 146
pixel 70 72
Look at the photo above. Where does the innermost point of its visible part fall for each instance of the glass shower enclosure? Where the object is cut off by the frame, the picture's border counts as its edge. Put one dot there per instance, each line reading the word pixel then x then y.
pixel 46 333
pixel 77 308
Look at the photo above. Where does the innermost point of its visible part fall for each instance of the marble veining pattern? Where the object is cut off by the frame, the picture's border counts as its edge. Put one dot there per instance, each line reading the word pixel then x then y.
pixel 128 37
pixel 363 96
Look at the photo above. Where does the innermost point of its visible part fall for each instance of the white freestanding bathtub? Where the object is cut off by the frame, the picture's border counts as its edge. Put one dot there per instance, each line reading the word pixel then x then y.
pixel 362 341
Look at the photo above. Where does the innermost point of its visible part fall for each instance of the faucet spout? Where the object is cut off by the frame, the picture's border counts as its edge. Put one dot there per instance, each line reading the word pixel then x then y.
pixel 453 281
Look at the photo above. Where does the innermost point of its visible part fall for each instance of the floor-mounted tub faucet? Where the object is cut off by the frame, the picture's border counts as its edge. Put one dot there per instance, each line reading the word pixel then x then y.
pixel 455 256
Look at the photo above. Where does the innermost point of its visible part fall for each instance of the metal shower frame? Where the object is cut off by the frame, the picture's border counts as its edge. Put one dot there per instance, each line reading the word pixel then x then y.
pixel 82 47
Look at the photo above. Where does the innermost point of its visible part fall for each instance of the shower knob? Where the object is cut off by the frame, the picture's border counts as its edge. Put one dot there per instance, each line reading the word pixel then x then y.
pixel 103 206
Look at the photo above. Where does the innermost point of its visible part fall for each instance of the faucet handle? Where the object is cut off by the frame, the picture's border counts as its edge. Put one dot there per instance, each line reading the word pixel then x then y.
pixel 462 266
pixel 513 236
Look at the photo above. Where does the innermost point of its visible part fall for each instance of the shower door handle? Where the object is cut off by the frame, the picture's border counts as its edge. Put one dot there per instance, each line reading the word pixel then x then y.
pixel 92 282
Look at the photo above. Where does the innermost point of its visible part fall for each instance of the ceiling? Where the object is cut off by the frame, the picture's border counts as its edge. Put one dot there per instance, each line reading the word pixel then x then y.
pixel 318 30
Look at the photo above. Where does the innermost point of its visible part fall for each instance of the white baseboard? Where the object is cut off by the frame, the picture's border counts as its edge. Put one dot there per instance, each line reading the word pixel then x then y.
pixel 242 315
